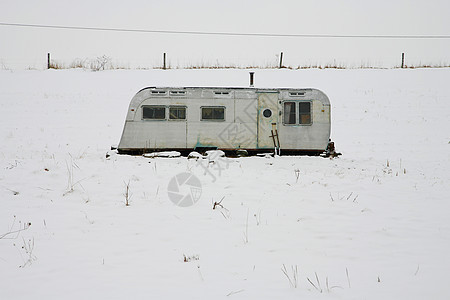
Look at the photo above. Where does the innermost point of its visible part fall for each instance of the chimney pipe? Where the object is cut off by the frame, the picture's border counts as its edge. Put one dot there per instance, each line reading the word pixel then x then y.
pixel 251 78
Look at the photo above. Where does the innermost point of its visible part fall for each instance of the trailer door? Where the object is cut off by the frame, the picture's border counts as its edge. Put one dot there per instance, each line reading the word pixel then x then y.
pixel 267 115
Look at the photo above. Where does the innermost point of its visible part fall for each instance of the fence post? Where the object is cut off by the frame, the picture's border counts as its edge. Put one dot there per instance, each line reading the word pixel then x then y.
pixel 403 60
pixel 48 60
pixel 281 60
pixel 164 61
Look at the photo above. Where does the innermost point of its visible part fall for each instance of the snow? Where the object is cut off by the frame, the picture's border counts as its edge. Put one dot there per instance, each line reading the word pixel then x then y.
pixel 373 223
pixel 168 154
pixel 195 155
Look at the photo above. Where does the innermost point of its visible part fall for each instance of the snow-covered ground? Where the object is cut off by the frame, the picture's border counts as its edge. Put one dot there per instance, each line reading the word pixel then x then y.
pixel 371 224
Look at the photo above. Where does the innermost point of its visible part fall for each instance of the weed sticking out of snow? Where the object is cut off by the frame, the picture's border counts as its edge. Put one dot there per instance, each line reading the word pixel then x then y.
pixel 127 193
pixel 190 258
pixel 15 229
pixel 71 183
pixel 291 276
pixel 26 252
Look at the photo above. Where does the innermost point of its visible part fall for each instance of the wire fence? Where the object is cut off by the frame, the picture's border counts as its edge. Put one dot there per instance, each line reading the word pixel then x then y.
pixel 128 48
pixel 165 61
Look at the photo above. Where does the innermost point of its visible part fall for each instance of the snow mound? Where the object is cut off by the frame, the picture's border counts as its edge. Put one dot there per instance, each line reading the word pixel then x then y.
pixel 166 154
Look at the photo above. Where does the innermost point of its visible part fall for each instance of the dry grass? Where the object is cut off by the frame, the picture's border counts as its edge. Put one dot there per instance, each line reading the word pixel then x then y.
pixel 57 65
pixel 424 66
pixel 105 63
pixel 293 278
pixel 127 193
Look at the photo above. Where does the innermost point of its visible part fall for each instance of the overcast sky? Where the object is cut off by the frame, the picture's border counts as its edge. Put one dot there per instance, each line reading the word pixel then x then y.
pixel 28 47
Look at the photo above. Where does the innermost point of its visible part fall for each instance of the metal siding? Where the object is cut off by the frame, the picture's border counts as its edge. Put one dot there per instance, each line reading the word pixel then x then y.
pixel 243 133
pixel 206 133
pixel 245 126
pixel 308 137
pixel 153 134
pixel 267 101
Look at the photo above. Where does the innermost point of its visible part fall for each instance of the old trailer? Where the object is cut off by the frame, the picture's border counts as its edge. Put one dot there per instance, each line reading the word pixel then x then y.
pixel 291 121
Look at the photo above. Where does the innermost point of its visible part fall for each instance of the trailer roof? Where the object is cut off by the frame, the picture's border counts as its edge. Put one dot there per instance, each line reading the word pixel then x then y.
pixel 221 88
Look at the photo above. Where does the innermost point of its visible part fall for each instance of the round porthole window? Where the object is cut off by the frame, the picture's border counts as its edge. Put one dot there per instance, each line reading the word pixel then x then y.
pixel 267 113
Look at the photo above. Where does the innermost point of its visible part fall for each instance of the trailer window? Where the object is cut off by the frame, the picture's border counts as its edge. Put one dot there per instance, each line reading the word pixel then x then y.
pixel 159 93
pixel 289 113
pixel 178 93
pixel 213 113
pixel 304 112
pixel 177 113
pixel 153 112
pixel 296 94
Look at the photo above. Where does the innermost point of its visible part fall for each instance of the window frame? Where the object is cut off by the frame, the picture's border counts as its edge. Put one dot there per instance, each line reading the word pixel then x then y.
pixel 154 106
pixel 284 116
pixel 213 120
pixel 297 113
pixel 226 94
pixel 178 107
pixel 158 93
pixel 177 93
pixel 296 94
pixel 300 113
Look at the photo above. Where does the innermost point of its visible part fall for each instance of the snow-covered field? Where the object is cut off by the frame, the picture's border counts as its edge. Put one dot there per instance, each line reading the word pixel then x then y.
pixel 371 224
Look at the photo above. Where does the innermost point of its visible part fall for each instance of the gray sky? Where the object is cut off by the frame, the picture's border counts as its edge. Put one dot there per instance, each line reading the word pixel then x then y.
pixel 27 47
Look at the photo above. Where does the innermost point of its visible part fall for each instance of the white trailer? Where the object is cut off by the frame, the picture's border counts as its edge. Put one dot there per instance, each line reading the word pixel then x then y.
pixel 291 121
